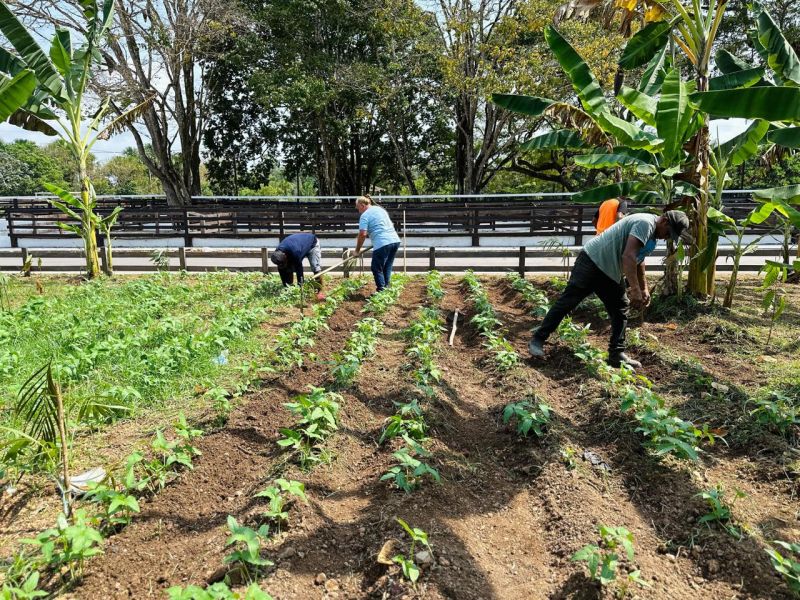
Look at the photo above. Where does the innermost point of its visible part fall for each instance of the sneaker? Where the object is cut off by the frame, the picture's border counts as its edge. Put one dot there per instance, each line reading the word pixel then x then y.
pixel 536 347
pixel 618 358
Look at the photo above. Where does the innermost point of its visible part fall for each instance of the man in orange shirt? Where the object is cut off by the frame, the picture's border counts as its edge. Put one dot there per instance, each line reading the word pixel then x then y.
pixel 609 213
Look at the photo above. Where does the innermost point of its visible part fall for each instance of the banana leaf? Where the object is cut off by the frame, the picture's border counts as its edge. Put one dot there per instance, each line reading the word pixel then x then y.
pixel 560 139
pixel 622 157
pixel 737 79
pixel 781 57
pixel 641 105
pixel 645 44
pixel 745 145
pixel 673 115
pixel 604 192
pixel 29 52
pixel 654 74
pixel 788 137
pixel 580 75
pixel 628 133
pixel 728 63
pixel 15 92
pixel 768 103
pixel 532 106
pixel 789 194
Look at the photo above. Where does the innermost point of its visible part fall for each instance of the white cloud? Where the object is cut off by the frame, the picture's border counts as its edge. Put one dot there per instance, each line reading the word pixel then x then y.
pixel 104 150
pixel 722 130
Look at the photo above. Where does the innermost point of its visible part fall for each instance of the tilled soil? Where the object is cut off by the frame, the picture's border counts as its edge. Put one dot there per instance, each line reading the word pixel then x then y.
pixel 508 514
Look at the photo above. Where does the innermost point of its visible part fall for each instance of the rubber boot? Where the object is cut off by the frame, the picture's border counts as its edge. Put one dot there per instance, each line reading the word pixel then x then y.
pixel 536 347
pixel 615 359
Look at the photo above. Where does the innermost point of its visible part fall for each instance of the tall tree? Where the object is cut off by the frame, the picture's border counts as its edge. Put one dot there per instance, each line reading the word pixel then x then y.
pixel 157 54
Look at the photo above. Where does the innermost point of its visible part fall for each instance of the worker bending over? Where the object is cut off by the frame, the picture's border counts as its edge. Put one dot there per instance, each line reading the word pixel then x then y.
pixel 289 255
pixel 609 213
pixel 600 268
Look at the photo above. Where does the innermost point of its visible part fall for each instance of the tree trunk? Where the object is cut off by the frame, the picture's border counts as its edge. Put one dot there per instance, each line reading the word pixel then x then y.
pixel 698 217
pixel 672 284
pixel 88 228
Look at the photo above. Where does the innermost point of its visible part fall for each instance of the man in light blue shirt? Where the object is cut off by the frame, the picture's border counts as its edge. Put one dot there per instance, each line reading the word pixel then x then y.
pixel 375 223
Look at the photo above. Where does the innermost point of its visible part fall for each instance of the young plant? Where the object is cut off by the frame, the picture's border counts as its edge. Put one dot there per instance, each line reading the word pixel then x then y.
pixel 433 287
pixel 246 543
pixel 410 471
pixel 406 561
pixel 399 425
pixel 603 560
pixel 280 496
pixel 488 325
pixel 789 565
pixel 527 417
pixel 216 591
pixel 777 410
pixel 359 347
pixel 774 301
pixel 719 511
pixel 319 412
pixel 27 590
pixel 118 506
pixel 68 545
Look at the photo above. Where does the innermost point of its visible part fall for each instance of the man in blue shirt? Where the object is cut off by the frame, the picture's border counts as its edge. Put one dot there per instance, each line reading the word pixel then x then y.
pixel 289 255
pixel 375 222
pixel 601 268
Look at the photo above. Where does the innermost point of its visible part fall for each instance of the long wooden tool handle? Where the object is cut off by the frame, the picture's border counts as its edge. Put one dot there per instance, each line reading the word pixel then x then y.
pixel 339 264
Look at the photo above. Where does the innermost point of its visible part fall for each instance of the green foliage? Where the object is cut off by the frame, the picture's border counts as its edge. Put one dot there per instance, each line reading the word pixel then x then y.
pixel 787 563
pixel 777 410
pixel 118 506
pixel 246 545
pixel 527 416
pixel 68 545
pixel 406 561
pixel 719 511
pixel 774 300
pixel 280 495
pixel 664 431
pixel 489 326
pixel 359 347
pixel 25 591
pixel 433 287
pixel 216 591
pixel 379 302
pixel 603 560
pixel 319 413
pixel 410 471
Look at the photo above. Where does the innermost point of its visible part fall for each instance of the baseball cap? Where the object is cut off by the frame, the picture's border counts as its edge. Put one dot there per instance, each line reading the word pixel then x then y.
pixel 679 226
pixel 278 257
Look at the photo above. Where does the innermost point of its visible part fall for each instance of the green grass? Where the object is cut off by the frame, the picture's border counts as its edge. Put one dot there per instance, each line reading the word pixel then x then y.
pixel 134 343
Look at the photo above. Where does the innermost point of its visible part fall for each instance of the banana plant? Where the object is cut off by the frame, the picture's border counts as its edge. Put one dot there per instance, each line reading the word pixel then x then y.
pixel 58 106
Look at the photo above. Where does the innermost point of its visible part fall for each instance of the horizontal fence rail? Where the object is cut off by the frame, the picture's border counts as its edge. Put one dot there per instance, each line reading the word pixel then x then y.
pixel 413 260
pixel 490 218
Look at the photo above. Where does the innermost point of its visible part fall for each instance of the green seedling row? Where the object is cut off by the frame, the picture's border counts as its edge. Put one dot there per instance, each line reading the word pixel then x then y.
pixel 664 431
pixel 489 326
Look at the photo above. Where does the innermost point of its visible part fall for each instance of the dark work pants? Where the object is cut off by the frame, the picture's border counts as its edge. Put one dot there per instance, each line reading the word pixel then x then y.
pixel 587 278
pixel 382 263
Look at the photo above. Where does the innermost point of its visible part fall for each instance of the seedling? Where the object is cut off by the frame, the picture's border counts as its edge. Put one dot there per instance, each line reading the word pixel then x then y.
pixel 406 561
pixel 119 506
pixel 217 591
pixel 318 411
pixel 26 591
pixel 787 563
pixel 411 471
pixel 358 348
pixel 719 511
pixel 778 410
pixel 433 287
pixel 246 543
pixel 398 426
pixel 68 545
pixel 280 496
pixel 603 560
pixel 489 326
pixel 527 417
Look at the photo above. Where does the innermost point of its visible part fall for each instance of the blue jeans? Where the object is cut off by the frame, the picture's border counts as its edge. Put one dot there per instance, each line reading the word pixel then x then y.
pixel 382 262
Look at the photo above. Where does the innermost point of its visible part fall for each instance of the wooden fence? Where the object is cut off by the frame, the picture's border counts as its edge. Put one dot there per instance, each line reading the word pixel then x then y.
pixel 512 218
pixel 450 260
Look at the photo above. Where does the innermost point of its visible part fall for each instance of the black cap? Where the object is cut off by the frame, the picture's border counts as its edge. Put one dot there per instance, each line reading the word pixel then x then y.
pixel 278 257
pixel 679 226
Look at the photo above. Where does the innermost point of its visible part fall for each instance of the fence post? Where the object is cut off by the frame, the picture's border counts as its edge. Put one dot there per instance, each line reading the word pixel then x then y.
pixel 187 238
pixel 522 251
pixel 25 272
pixel 475 240
pixel 431 258
pixel 579 234
pixel 182 257
pixel 264 261
pixel 280 226
pixel 345 272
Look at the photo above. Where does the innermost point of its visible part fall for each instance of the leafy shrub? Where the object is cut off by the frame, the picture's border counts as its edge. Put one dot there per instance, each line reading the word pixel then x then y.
pixel 527 417
pixel 777 410
pixel 68 545
pixel 319 417
pixel 789 565
pixel 603 560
